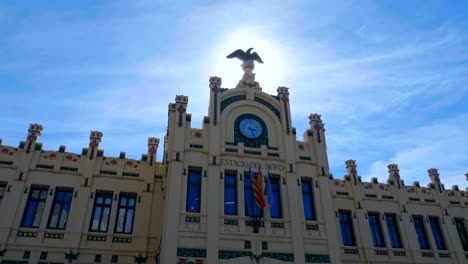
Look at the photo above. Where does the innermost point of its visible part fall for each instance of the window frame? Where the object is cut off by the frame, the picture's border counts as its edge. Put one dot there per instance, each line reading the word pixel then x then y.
pixel 248 188
pixel 422 227
pixel 39 200
pixel 437 233
pixel 104 194
pixel 311 199
pixel 375 226
pixel 233 187
pixel 276 189
pixel 61 204
pixel 126 209
pixel 196 183
pixel 347 224
pixel 3 188
pixel 462 234
pixel 393 231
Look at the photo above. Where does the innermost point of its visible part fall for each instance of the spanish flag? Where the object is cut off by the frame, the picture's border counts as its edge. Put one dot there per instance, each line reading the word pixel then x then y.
pixel 258 190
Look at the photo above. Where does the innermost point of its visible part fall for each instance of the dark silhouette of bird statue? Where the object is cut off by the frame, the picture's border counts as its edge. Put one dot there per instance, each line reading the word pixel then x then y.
pixel 245 56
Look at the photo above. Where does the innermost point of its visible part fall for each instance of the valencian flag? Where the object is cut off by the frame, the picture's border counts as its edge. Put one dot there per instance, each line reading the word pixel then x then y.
pixel 269 191
pixel 258 190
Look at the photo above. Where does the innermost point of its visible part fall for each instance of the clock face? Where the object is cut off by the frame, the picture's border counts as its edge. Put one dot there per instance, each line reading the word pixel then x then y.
pixel 250 128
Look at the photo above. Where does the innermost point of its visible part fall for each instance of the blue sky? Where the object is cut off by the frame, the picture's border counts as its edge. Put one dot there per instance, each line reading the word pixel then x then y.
pixel 390 78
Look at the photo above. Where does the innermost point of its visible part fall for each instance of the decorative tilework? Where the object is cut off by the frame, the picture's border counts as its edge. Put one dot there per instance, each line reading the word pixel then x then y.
pixel 230 254
pixel 97 238
pixel 312 227
pixel 277 225
pixel 226 102
pixel 231 222
pixel 399 253
pixel 192 219
pixel 381 252
pixel 122 239
pixel 191 252
pixel 52 235
pixel 427 254
pixel 316 258
pixel 269 106
pixel 351 251
pixel 279 256
pixel 27 234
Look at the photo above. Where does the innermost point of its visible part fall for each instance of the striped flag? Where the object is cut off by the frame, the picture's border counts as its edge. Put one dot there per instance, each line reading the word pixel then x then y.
pixel 258 190
pixel 269 191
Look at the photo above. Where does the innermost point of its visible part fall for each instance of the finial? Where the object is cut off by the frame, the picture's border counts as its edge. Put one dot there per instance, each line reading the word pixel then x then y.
pixel 248 60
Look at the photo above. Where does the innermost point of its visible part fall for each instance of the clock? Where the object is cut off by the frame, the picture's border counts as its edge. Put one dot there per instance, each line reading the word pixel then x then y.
pixel 250 128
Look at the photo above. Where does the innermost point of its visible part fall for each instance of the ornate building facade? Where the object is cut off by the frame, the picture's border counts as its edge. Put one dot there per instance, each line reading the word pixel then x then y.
pixel 199 204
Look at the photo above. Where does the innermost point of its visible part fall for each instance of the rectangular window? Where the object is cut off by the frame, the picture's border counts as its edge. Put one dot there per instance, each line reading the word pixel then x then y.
pixel 35 207
pixel 308 200
pixel 460 224
pixel 101 212
pixel 251 208
pixel 276 211
pixel 125 213
pixel 376 229
pixel 193 190
pixel 421 234
pixel 437 233
pixel 393 231
pixel 230 193
pixel 60 209
pixel 3 187
pixel 346 226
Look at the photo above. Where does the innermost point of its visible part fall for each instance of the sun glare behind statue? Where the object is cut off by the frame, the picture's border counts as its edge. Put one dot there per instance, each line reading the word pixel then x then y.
pixel 271 74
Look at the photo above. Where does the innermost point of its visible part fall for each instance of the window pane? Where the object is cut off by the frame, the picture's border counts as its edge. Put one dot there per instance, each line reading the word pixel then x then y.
pixel 64 215
pixel 393 231
pixel 193 191
pixel 230 195
pixel 2 190
pixel 129 222
pixel 96 218
pixel 376 230
pixel 308 200
pixel 38 214
pixel 346 227
pixel 61 207
pixel 123 200
pixel 120 220
pixel 437 233
pixel 459 222
pixel 55 216
pixel 105 219
pixel 248 196
pixel 276 210
pixel 131 201
pixel 420 232
pixel 29 214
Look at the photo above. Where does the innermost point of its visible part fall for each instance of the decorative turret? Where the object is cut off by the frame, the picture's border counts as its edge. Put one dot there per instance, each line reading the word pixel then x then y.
pixel 394 175
pixel 317 126
pixel 181 107
pixel 215 88
pixel 94 140
pixel 352 172
pixel 435 179
pixel 34 132
pixel 283 95
pixel 153 144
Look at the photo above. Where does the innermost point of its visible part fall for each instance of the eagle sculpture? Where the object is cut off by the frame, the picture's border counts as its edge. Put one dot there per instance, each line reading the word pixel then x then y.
pixel 245 56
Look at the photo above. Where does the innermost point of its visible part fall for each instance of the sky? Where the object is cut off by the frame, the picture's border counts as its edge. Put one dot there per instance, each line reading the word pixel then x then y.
pixel 390 78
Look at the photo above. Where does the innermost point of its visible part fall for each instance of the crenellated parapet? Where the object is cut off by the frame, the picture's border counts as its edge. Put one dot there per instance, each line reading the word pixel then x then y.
pixel 395 190
pixel 91 159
